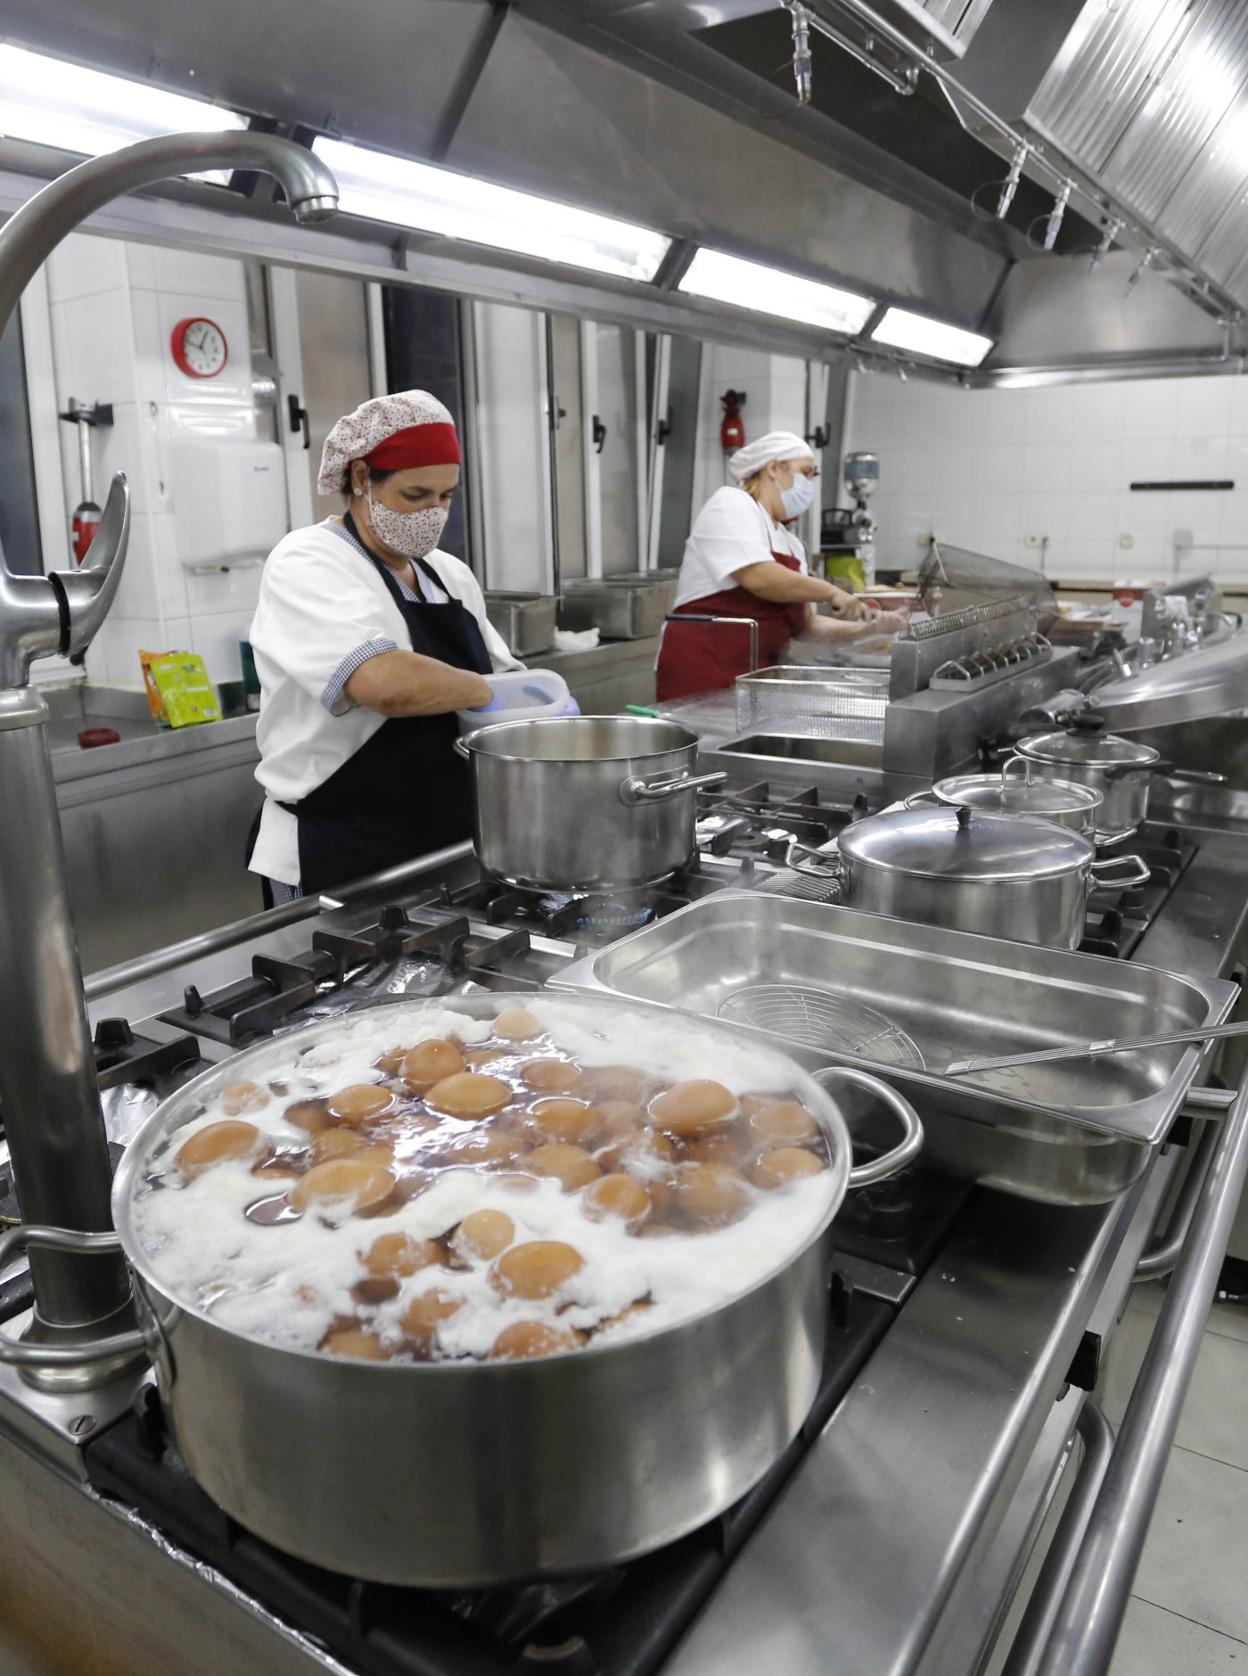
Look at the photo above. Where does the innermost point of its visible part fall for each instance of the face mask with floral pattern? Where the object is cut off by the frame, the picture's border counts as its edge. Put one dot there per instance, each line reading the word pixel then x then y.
pixel 411 533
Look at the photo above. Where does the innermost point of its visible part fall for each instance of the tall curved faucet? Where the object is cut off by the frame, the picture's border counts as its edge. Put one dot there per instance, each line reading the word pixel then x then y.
pixel 48 1091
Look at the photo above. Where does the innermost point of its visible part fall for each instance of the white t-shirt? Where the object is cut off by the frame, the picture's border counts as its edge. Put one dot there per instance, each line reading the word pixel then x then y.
pixel 731 531
pixel 323 611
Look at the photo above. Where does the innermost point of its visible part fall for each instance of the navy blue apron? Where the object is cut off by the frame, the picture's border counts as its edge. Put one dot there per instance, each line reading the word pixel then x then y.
pixel 405 791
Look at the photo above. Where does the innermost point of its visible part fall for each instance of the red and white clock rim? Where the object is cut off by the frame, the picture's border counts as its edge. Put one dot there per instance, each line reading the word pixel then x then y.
pixel 179 353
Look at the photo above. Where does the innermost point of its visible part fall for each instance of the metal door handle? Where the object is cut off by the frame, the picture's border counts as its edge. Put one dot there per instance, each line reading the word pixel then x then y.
pixel 299 419
pixel 599 434
pixel 663 429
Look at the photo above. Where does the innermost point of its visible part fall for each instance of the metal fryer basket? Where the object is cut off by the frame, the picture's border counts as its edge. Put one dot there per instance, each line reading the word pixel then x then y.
pixel 815 701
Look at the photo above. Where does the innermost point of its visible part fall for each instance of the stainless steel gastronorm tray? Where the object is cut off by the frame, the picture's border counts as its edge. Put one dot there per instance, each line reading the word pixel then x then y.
pixel 1071 1132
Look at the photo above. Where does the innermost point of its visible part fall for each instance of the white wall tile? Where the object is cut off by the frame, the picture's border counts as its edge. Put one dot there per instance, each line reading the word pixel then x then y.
pixel 1199 455
pixel 216 639
pixel 119 643
pixel 1150 409
pixel 205 276
pixel 1096 462
pixel 1199 511
pixel 999 415
pixel 1098 410
pixel 141 266
pixel 1147 460
pixel 1092 558
pixel 1002 466
pixel 94 348
pixel 1144 514
pixel 1044 514
pixel 1092 514
pixel 1050 415
pixel 1239 406
pixel 1046 467
pixel 121 446
pixel 1203 404
pixel 84 265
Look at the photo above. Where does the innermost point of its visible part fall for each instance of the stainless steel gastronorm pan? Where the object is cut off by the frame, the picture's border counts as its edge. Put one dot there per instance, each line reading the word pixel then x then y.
pixel 1072 1132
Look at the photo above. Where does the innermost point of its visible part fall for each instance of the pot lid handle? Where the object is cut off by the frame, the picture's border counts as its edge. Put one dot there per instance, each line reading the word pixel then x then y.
pixel 964 816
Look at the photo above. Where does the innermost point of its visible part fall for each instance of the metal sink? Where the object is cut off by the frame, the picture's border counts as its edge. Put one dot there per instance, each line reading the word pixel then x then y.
pixel 850 753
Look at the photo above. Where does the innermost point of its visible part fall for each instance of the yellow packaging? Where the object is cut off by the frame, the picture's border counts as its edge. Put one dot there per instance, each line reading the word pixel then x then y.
pixel 186 693
pixel 155 702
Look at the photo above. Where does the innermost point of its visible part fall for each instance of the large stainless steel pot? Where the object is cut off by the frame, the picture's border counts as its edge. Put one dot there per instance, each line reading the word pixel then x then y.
pixel 1120 769
pixel 1024 879
pixel 584 802
pixel 1008 793
pixel 454 1474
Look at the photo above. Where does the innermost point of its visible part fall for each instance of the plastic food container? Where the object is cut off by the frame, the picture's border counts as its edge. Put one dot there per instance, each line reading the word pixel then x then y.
pixel 522 695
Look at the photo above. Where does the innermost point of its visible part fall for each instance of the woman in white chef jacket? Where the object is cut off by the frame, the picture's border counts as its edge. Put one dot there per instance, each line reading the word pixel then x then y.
pixel 367 640
pixel 743 560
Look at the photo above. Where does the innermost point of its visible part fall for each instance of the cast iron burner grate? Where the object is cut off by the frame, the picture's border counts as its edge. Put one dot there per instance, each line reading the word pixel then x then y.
pixel 1118 919
pixel 621 1622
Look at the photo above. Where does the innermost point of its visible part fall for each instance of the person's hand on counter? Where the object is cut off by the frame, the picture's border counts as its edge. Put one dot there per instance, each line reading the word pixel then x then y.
pixel 875 625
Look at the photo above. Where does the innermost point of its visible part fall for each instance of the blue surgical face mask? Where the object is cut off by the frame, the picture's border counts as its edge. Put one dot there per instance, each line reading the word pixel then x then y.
pixel 799 496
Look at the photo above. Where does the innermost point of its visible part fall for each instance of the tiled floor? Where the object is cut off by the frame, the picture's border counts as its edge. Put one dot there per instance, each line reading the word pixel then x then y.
pixel 1189 1615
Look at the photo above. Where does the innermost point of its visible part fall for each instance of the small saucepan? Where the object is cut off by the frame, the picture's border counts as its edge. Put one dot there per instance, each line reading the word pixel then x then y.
pixel 1120 769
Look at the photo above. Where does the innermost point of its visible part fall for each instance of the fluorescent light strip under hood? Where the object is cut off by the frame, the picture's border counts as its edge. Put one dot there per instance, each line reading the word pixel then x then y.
pixel 922 336
pixel 54 103
pixel 405 193
pixel 730 279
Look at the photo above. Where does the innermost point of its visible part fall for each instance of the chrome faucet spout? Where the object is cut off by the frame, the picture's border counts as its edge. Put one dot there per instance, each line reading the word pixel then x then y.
pixel 37 228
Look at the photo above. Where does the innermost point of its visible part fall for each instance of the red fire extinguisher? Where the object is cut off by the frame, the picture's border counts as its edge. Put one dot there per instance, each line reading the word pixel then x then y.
pixel 732 427
pixel 85 519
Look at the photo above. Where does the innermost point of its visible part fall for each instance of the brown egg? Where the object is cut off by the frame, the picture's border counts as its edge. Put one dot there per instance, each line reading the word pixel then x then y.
pixel 617 1195
pixel 786 1163
pixel 526 1339
pixel 279 1169
pixel 561 1119
pixel 711 1192
pixel 616 1082
pixel 482 1235
pixel 375 1289
pixel 363 1102
pixel 571 1165
pixel 518 1025
pixel 312 1115
pixel 374 1152
pixel 551 1076
pixel 216 1142
pixel 427 1310
pixel 478 1056
pixel 536 1268
pixel 430 1062
pixel 336 1143
pixel 783 1120
pixel 400 1254
pixel 369 1185
pixel 619 1117
pixel 354 1341
pixel 688 1107
pixel 469 1094
pixel 389 1062
pixel 515 1182
pixel 243 1097
pixel 635 1151
pixel 485 1146
pixel 720 1146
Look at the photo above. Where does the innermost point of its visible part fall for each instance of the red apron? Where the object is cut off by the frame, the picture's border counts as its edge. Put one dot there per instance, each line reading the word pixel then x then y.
pixel 700 657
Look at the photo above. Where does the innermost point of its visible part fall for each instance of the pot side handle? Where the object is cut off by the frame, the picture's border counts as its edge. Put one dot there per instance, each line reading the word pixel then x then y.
pixel 634 791
pixel 64 1355
pixel 1137 870
pixel 911 1143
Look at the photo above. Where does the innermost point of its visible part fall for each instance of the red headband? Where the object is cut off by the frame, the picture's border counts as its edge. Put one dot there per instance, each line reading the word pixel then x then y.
pixel 417 445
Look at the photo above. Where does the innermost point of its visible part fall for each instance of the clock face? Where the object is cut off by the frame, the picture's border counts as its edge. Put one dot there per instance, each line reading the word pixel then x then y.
pixel 199 347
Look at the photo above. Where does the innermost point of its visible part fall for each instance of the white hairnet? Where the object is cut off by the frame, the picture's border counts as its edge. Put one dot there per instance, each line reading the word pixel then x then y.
pixel 776 445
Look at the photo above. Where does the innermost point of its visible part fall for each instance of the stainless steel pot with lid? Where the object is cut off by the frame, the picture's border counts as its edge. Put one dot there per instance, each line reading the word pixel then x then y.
pixel 1003 875
pixel 1009 793
pixel 1120 769
pixel 468 1473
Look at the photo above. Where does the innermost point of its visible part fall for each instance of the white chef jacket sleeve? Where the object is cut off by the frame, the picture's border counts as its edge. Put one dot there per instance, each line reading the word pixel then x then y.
pixel 316 618
pixel 730 533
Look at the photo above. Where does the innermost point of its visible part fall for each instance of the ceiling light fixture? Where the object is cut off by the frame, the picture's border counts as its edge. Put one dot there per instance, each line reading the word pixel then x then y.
pixel 924 336
pixel 54 103
pixel 382 187
pixel 731 279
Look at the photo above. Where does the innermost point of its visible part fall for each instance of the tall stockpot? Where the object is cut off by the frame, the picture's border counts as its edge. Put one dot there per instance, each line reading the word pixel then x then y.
pixel 465 1474
pixel 1005 876
pixel 1120 769
pixel 584 802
